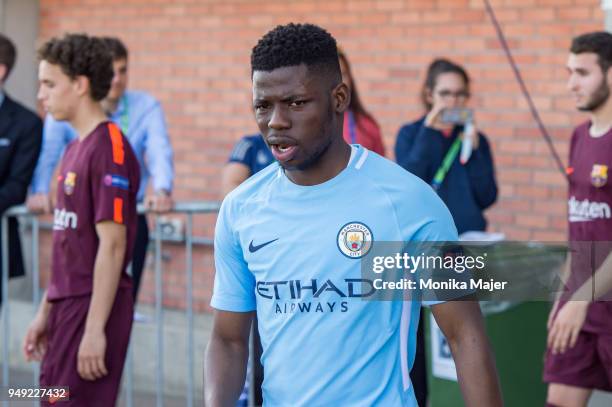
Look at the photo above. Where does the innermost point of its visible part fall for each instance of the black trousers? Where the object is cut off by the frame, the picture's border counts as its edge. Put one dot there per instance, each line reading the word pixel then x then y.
pixel 15 263
pixel 418 374
pixel 258 367
pixel 140 253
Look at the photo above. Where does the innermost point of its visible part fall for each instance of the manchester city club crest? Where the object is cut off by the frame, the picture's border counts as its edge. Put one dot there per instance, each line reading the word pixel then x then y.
pixel 355 240
pixel 599 175
pixel 69 182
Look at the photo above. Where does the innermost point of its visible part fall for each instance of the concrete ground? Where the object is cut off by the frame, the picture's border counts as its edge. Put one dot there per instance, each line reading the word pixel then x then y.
pixel 144 347
pixel 144 351
pixel 140 398
pixel 601 399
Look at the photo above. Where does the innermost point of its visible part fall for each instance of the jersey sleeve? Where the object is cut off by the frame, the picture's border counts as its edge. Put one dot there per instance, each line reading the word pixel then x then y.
pixel 440 230
pixel 436 225
pixel 234 288
pixel 111 181
pixel 243 152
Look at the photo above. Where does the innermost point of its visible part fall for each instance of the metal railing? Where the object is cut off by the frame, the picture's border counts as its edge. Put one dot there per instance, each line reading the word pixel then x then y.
pixel 187 208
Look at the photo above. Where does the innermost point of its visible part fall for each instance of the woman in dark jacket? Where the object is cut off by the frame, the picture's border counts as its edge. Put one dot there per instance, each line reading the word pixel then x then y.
pixel 467 189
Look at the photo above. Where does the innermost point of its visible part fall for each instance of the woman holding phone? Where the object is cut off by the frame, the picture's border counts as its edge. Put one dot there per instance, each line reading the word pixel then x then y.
pixel 431 148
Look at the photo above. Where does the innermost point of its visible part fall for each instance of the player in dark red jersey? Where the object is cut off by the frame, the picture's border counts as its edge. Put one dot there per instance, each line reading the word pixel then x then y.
pixel 579 356
pixel 82 329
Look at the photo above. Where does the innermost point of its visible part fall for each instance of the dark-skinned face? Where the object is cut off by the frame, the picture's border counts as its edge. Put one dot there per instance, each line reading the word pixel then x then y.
pixel 297 113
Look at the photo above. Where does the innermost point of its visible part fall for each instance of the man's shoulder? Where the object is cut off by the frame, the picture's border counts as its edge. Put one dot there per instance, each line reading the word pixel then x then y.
pixel 141 98
pixel 582 129
pixel 391 177
pixel 102 139
pixel 409 196
pixel 258 142
pixel 252 140
pixel 23 114
pixel 108 139
pixel 253 187
pixel 412 127
pixel 580 132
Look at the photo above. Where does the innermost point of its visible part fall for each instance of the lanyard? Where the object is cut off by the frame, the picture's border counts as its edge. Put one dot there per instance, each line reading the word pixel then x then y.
pixel 124 118
pixel 450 156
pixel 352 127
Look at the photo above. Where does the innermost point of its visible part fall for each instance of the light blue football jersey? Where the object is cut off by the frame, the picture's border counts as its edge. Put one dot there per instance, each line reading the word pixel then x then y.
pixel 292 253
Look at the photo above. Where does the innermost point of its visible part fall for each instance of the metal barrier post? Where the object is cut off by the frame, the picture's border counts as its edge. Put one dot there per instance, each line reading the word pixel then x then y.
pixel 35 279
pixel 129 367
pixel 35 225
pixel 35 265
pixel 5 305
pixel 189 284
pixel 159 315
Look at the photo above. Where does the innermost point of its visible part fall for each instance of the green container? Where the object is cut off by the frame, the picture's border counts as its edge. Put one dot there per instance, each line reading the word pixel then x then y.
pixel 518 338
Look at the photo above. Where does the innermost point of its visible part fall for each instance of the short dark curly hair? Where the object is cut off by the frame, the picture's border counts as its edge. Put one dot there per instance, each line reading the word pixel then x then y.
pixel 598 42
pixel 82 55
pixel 116 47
pixel 296 44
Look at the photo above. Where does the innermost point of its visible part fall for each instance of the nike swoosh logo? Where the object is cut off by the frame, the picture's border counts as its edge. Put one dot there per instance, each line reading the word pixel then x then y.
pixel 253 248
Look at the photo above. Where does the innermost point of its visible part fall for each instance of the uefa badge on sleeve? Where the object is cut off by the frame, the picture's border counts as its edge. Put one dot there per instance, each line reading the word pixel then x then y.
pixel 599 175
pixel 355 240
pixel 117 181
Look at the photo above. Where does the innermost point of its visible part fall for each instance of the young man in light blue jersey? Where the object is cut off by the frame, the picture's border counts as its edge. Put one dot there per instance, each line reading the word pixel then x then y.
pixel 281 249
pixel 141 119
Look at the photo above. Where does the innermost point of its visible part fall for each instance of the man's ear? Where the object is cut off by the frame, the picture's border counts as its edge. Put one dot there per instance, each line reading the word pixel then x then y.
pixel 341 96
pixel 81 84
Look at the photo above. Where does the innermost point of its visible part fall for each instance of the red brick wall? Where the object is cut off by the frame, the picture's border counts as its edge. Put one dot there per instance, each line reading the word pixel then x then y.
pixel 194 56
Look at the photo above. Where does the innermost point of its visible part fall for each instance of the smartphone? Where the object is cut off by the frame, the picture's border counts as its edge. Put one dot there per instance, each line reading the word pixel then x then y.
pixel 456 115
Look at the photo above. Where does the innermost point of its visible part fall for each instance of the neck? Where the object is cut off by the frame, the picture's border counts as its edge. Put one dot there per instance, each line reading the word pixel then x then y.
pixel 601 119
pixel 88 116
pixel 110 105
pixel 330 164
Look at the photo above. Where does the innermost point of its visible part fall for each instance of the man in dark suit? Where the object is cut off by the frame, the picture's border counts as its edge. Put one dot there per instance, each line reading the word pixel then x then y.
pixel 20 141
